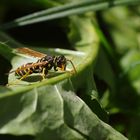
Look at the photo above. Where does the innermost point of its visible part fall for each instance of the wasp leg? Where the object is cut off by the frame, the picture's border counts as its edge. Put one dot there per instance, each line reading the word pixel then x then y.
pixel 23 77
pixel 44 73
pixel 55 68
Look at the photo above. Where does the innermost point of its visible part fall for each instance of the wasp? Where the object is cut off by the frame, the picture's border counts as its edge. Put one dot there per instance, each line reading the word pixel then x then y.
pixel 42 65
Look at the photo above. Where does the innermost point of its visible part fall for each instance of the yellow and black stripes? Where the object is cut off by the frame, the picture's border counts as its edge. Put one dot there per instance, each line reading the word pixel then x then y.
pixel 24 69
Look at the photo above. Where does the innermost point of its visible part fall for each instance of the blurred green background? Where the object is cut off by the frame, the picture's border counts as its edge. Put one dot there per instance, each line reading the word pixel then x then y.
pixel 117 68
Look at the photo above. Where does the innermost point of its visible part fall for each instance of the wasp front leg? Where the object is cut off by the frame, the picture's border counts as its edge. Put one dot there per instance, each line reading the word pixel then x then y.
pixel 44 73
pixel 62 68
pixel 55 68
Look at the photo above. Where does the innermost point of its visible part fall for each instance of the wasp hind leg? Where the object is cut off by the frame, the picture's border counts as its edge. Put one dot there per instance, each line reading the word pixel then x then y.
pixel 24 76
pixel 16 81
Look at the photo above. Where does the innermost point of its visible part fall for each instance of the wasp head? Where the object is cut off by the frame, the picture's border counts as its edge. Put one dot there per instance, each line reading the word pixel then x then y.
pixel 61 62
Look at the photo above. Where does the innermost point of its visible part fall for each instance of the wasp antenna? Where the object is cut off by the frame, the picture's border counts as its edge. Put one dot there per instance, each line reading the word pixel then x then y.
pixel 72 65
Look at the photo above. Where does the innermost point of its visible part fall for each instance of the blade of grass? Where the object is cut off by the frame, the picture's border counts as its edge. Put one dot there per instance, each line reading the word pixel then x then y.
pixel 58 9
pixel 67 10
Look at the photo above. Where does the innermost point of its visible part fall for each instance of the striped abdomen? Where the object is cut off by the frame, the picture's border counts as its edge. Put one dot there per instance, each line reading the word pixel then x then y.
pixel 24 69
pixel 30 68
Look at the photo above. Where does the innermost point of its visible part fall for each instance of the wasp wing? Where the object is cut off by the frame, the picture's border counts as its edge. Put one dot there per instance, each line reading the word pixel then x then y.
pixel 30 52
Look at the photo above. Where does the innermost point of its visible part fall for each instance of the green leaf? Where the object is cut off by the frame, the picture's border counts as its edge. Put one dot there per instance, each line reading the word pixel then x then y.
pixel 104 70
pixel 3 90
pixel 52 112
pixel 6 51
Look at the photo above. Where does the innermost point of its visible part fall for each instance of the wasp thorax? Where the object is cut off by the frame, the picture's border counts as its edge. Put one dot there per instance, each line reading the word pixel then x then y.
pixel 47 58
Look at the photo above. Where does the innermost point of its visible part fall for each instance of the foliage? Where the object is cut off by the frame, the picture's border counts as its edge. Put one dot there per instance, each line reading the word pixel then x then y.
pixel 102 94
